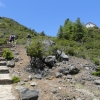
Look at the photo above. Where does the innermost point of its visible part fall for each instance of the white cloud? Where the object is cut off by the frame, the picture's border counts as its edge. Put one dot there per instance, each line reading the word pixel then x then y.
pixel 2 5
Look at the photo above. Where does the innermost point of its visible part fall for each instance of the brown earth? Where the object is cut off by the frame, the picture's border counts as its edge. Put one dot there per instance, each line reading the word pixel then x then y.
pixel 45 86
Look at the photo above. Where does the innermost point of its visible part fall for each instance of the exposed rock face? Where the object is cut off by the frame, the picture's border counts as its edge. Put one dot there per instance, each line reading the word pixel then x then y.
pixel 48 42
pixel 27 94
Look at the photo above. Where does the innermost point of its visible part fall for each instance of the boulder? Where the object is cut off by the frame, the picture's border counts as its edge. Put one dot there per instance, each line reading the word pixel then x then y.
pixel 26 94
pixel 63 56
pixel 73 70
pixel 64 70
pixel 38 63
pixel 50 60
pixel 97 82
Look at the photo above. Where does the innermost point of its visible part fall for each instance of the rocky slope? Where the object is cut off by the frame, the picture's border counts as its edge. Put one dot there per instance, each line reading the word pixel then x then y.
pixel 55 85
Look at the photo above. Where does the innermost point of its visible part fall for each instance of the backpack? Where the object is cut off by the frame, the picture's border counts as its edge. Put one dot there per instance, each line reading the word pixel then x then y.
pixel 10 38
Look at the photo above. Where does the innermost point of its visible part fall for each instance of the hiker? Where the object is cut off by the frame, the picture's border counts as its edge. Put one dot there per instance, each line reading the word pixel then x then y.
pixel 13 38
pixel 10 39
pixel 28 37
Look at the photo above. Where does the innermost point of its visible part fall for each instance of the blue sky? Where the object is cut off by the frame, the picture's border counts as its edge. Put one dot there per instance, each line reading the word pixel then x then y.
pixel 48 15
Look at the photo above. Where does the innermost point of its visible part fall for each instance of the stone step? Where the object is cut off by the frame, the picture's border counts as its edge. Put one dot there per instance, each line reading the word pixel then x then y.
pixel 6 92
pixel 4 70
pixel 1 52
pixel 3 63
pixel 5 46
pixel 2 59
pixel 5 79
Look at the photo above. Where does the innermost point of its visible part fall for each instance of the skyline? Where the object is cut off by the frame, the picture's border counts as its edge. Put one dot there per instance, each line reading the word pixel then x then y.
pixel 48 15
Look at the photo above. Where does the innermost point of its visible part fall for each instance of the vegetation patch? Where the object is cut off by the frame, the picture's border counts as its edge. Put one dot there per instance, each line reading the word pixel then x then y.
pixel 16 79
pixel 7 54
pixel 97 73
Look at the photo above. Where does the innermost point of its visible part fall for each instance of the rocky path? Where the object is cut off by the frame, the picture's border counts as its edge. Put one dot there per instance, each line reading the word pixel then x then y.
pixel 5 82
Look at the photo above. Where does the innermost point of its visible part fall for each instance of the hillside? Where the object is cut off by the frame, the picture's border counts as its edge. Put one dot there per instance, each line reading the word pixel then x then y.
pixel 73 37
pixel 9 26
pixel 72 79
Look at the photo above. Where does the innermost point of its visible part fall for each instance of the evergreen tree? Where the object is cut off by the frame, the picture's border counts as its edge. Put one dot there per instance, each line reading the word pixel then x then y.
pixel 60 32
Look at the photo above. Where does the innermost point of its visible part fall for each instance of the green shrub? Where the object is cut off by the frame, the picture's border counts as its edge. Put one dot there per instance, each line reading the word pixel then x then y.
pixel 21 41
pixel 98 69
pixel 7 54
pixel 16 79
pixel 35 50
pixel 96 61
pixel 96 73
pixel 70 51
pixel 3 41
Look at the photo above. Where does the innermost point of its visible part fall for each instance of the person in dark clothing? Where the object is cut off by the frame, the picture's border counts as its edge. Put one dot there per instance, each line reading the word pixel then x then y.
pixel 13 38
pixel 28 37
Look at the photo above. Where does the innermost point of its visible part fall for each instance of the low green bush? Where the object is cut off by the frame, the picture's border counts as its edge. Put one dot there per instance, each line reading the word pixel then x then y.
pixel 96 61
pixel 3 41
pixel 7 54
pixel 98 69
pixel 96 73
pixel 16 79
pixel 70 51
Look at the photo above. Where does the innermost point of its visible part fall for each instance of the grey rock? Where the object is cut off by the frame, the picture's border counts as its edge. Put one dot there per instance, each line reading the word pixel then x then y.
pixel 26 94
pixel 22 83
pixel 16 58
pixel 38 76
pixel 30 77
pixel 54 91
pixel 17 53
pixel 48 43
pixel 62 55
pixel 69 77
pixel 11 63
pixel 64 70
pixel 59 81
pixel 58 75
pixel 25 80
pixel 33 84
pixel 57 64
pixel 73 70
pixel 87 68
pixel 50 60
pixel 78 99
pixel 97 82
